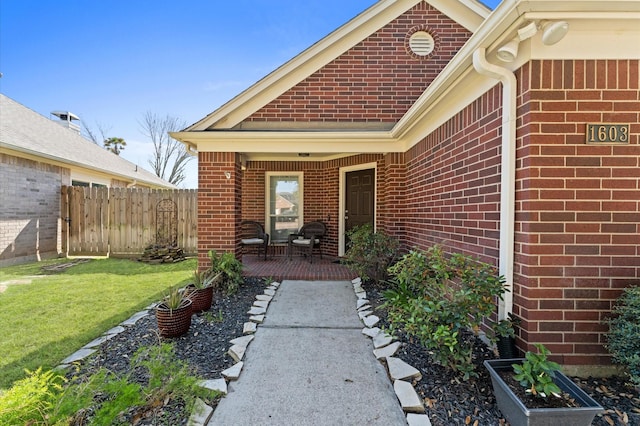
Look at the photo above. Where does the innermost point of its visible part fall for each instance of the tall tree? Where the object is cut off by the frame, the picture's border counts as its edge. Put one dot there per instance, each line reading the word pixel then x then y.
pixel 169 157
pixel 115 145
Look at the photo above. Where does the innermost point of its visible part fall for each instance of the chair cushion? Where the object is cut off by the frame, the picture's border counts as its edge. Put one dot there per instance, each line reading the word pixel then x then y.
pixel 250 241
pixel 304 241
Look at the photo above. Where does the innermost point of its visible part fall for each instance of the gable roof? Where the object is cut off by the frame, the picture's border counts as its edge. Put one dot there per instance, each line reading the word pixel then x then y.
pixel 597 29
pixel 28 132
pixel 468 13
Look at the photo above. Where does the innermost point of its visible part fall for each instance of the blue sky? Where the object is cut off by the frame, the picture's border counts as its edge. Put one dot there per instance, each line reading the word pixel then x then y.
pixel 110 62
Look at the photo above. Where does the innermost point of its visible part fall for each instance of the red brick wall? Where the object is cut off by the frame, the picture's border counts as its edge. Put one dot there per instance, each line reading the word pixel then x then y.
pixel 219 203
pixel 376 80
pixel 578 220
pixel 452 182
pixel 321 188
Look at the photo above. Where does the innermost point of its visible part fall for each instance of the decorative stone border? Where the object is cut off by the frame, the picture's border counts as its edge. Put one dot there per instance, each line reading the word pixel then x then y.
pixel 384 350
pixel 202 412
pixel 89 348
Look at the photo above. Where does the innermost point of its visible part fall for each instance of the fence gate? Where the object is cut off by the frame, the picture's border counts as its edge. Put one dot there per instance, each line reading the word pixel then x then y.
pixel 123 221
pixel 166 224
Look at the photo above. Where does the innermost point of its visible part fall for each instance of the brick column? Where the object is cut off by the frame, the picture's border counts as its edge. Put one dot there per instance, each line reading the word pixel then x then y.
pixel 219 204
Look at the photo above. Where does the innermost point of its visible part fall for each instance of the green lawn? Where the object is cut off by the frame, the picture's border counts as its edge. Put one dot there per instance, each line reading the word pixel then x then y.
pixel 45 318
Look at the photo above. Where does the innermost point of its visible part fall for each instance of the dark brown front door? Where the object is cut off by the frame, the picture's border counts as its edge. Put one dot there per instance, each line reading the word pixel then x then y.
pixel 359 201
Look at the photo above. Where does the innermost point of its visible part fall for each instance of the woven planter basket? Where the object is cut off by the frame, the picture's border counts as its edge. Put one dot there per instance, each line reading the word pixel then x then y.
pixel 202 298
pixel 176 322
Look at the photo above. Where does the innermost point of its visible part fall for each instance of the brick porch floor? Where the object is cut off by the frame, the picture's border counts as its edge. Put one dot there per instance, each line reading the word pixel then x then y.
pixel 298 268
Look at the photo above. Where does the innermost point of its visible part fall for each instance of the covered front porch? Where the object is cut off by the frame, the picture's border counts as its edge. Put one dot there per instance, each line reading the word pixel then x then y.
pixel 298 268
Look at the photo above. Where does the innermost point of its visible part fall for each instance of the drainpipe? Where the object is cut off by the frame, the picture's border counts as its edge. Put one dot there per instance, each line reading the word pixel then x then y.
pixel 508 172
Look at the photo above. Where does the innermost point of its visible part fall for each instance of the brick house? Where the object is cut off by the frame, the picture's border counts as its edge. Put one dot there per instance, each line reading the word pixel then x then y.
pixel 444 122
pixel 37 157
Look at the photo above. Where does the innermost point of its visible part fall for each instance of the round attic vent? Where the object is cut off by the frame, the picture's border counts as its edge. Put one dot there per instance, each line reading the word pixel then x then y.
pixel 421 43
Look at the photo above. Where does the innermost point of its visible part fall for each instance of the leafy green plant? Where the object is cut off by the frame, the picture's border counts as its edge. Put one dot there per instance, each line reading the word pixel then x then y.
pixel 229 268
pixel 173 299
pixel 204 279
pixel 624 332
pixel 216 318
pixel 370 253
pixel 103 398
pixel 169 377
pixel 536 373
pixel 436 298
pixel 505 327
pixel 30 399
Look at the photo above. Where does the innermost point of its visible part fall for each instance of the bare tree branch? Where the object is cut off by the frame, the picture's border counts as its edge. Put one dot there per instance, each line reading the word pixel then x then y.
pixel 92 135
pixel 169 157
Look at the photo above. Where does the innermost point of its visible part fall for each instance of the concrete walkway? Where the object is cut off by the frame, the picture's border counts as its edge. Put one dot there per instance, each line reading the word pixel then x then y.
pixel 310 364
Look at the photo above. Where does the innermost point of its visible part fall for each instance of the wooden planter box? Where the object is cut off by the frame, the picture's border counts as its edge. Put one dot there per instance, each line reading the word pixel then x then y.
pixel 518 414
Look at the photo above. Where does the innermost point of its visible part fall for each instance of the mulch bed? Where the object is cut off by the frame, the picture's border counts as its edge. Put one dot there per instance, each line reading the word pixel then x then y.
pixel 449 400
pixel 204 348
pixel 452 401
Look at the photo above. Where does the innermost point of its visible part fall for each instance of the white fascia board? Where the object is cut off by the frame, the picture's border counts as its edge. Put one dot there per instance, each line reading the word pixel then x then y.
pixel 287 142
pixel 468 13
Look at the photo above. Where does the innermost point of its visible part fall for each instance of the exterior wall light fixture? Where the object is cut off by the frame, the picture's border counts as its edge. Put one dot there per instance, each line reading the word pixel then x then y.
pixel 552 33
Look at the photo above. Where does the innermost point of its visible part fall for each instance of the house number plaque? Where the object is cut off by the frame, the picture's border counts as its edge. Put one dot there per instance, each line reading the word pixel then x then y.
pixel 607 133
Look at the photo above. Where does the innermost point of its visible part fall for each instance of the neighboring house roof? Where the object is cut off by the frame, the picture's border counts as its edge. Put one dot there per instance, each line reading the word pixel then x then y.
pixel 598 29
pixel 26 131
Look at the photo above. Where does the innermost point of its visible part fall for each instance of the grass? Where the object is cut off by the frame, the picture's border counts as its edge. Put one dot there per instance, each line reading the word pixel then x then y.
pixel 48 317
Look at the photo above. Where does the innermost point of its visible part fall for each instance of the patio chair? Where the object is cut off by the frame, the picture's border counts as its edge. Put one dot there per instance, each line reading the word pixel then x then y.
pixel 253 236
pixel 307 238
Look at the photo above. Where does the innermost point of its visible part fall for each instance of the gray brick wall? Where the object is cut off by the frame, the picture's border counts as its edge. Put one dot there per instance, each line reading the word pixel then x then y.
pixel 29 208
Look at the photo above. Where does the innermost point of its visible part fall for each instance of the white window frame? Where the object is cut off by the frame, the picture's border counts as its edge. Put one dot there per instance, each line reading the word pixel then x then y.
pixel 268 176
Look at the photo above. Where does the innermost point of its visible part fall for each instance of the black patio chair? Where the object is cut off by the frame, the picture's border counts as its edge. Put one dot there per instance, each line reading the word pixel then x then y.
pixel 253 236
pixel 308 238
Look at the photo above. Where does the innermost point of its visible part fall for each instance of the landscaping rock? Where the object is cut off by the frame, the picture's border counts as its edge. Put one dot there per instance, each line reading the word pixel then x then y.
pixel 387 351
pixel 233 373
pixel 409 399
pixel 400 370
pixel 201 414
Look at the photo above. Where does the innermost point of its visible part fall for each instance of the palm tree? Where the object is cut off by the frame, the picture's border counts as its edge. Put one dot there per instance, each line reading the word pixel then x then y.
pixel 115 145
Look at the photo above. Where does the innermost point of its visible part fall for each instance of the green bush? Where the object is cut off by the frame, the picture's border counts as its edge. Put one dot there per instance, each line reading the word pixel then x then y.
pixel 536 373
pixel 624 332
pixel 370 253
pixel 436 298
pixel 228 268
pixel 29 400
pixel 102 398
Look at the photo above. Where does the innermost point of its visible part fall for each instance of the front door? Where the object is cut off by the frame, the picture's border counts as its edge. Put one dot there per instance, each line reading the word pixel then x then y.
pixel 359 202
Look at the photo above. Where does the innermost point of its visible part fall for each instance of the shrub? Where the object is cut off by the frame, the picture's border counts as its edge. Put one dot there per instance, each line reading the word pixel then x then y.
pixel 29 400
pixel 228 268
pixel 103 398
pixel 624 332
pixel 370 253
pixel 536 373
pixel 435 298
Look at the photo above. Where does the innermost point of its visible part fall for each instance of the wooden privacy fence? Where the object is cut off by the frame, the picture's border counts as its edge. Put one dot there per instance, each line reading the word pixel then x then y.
pixel 123 221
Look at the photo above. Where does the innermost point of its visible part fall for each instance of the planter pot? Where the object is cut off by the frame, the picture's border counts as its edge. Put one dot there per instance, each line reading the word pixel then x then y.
pixel 507 347
pixel 176 322
pixel 518 414
pixel 202 298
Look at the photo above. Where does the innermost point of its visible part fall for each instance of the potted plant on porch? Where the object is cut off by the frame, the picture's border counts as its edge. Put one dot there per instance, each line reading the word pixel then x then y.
pixel 174 313
pixel 532 391
pixel 200 291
